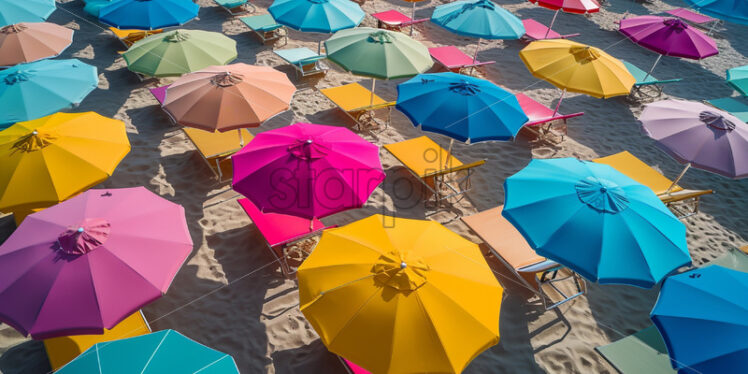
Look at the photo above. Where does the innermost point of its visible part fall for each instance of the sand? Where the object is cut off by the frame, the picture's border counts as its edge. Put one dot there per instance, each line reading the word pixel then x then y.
pixel 230 294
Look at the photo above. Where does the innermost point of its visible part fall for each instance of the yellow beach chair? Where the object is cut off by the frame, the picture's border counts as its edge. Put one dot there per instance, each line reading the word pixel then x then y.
pixel 129 37
pixel 216 148
pixel 442 174
pixel 64 349
pixel 681 201
pixel 358 102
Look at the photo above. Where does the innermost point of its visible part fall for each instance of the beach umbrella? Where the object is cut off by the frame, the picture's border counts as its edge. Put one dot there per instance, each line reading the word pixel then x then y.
pixel 50 159
pixel 174 53
pixel 323 16
pixel 698 135
pixel 148 14
pixel 16 11
pixel 27 42
pixel 735 11
pixel 307 170
pixel 568 6
pixel 577 67
pixel 398 295
pixel 604 225
pixel 461 107
pixel 702 316
pixel 668 37
pixel 83 265
pixel 37 89
pixel 738 79
pixel 93 7
pixel 482 19
pixel 165 351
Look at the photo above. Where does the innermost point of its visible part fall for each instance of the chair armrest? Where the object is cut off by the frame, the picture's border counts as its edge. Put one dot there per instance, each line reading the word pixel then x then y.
pixel 374 107
pixel 549 119
pixel 567 36
pixel 683 195
pixel 455 169
pixel 413 22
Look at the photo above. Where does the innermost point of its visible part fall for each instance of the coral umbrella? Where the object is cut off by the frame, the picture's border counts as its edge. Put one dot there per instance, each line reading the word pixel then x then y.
pixel 735 11
pixel 27 42
pixel 738 79
pixel 85 264
pixel 398 295
pixel 16 11
pixel 568 6
pixel 307 170
pixel 148 14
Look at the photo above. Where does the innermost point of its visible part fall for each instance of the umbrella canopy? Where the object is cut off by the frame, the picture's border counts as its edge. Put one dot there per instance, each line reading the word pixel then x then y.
pixel 668 36
pixel 93 7
pixel 174 53
pixel 16 11
pixel 307 170
pixel 37 89
pixel 699 135
pixel 735 11
pixel 605 226
pixel 478 18
pixel 27 42
pixel 148 14
pixel 165 351
pixel 228 97
pixel 326 16
pixel 459 106
pixel 738 79
pixel 85 264
pixel 570 6
pixel 50 159
pixel 702 315
pixel 398 295
pixel 577 67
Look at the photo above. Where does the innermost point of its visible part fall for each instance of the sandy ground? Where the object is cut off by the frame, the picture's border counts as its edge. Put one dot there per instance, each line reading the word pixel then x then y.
pixel 231 296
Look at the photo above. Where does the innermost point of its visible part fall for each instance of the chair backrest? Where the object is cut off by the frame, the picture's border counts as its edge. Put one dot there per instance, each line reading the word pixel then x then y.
pixel 538 31
pixel 353 97
pixel 639 171
pixel 423 156
pixel 279 229
pixel 450 56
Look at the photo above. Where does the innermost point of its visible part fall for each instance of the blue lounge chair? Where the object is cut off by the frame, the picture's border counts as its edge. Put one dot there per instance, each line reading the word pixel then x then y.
pixel 236 7
pixel 265 27
pixel 735 106
pixel 304 60
pixel 644 80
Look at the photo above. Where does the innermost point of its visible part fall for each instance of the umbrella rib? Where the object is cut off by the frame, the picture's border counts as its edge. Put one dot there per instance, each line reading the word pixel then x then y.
pixel 155 351
pixel 212 363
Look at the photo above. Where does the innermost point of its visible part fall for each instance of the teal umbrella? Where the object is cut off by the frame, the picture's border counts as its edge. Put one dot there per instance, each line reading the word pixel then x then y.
pixel 34 90
pixel 15 11
pixel 738 79
pixel 324 16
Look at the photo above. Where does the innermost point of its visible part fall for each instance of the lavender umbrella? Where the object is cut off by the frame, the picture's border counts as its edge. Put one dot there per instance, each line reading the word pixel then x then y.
pixel 698 135
pixel 668 37
pixel 85 264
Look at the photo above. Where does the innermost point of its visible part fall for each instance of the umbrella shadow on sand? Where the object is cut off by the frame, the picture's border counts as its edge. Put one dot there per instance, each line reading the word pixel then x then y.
pixel 312 358
pixel 620 310
pixel 27 358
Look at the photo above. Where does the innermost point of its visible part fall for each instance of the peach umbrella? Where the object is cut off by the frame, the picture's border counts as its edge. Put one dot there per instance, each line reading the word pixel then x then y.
pixel 27 42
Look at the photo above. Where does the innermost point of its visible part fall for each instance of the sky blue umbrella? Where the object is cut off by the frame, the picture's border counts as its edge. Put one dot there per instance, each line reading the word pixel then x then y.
pixel 702 315
pixel 164 351
pixel 595 220
pixel 15 11
pixel 735 11
pixel 94 6
pixel 460 106
pixel 325 16
pixel 33 90
pixel 148 14
pixel 738 79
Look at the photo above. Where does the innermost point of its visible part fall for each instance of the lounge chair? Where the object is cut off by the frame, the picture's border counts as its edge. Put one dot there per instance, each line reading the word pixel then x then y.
pixel 454 60
pixel 644 80
pixel 129 37
pixel 738 107
pixel 698 20
pixel 236 7
pixel 682 202
pixel 62 350
pixel 394 20
pixel 352 368
pixel 641 353
pixel 542 119
pixel 535 30
pixel 265 27
pixel 357 102
pixel 443 175
pixel 281 230
pixel 304 60
pixel 531 270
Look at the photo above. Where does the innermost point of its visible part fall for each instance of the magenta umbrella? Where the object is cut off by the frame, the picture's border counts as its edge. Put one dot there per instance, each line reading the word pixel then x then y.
pixel 668 37
pixel 85 264
pixel 698 135
pixel 307 170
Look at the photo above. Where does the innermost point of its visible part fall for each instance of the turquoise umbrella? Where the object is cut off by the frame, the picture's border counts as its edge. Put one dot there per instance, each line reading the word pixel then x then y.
pixel 738 79
pixel 15 11
pixel 596 221
pixel 94 6
pixel 730 10
pixel 323 16
pixel 34 90
pixel 164 351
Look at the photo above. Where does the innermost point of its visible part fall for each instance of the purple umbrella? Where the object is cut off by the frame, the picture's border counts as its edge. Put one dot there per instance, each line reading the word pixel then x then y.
pixel 698 135
pixel 668 37
pixel 85 264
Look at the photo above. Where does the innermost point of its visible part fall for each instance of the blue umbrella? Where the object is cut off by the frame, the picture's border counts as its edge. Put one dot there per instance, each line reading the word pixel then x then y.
pixel 94 6
pixel 462 107
pixel 15 11
pixel 34 90
pixel 164 351
pixel 325 16
pixel 595 220
pixel 148 14
pixel 730 10
pixel 702 315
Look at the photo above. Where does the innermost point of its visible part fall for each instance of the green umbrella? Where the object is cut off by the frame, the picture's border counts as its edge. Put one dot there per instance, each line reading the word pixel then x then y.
pixel 174 53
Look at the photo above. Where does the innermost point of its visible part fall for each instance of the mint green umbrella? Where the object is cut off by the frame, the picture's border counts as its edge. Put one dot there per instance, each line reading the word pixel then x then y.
pixel 738 78
pixel 174 53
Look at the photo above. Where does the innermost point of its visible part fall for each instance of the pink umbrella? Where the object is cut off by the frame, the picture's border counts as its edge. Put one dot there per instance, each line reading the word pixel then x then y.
pixel 85 264
pixel 307 170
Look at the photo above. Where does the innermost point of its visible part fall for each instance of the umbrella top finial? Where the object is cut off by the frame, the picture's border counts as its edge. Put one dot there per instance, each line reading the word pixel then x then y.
pixel 395 271
pixel 177 36
pixel 89 235
pixel 602 195
pixel 675 24
pixel 226 79
pixel 716 121
pixel 34 141
pixel 380 37
pixel 584 54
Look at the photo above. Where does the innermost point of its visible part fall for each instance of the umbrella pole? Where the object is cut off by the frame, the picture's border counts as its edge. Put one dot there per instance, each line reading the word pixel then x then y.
pixel 553 20
pixel 373 84
pixel 319 47
pixel 477 47
pixel 675 182
pixel 657 61
pixel 449 152
pixel 560 99
pixel 241 137
pixel 413 17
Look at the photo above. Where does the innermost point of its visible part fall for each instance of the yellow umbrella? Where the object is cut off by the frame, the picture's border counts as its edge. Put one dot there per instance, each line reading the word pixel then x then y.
pixel 396 295
pixel 577 67
pixel 50 159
